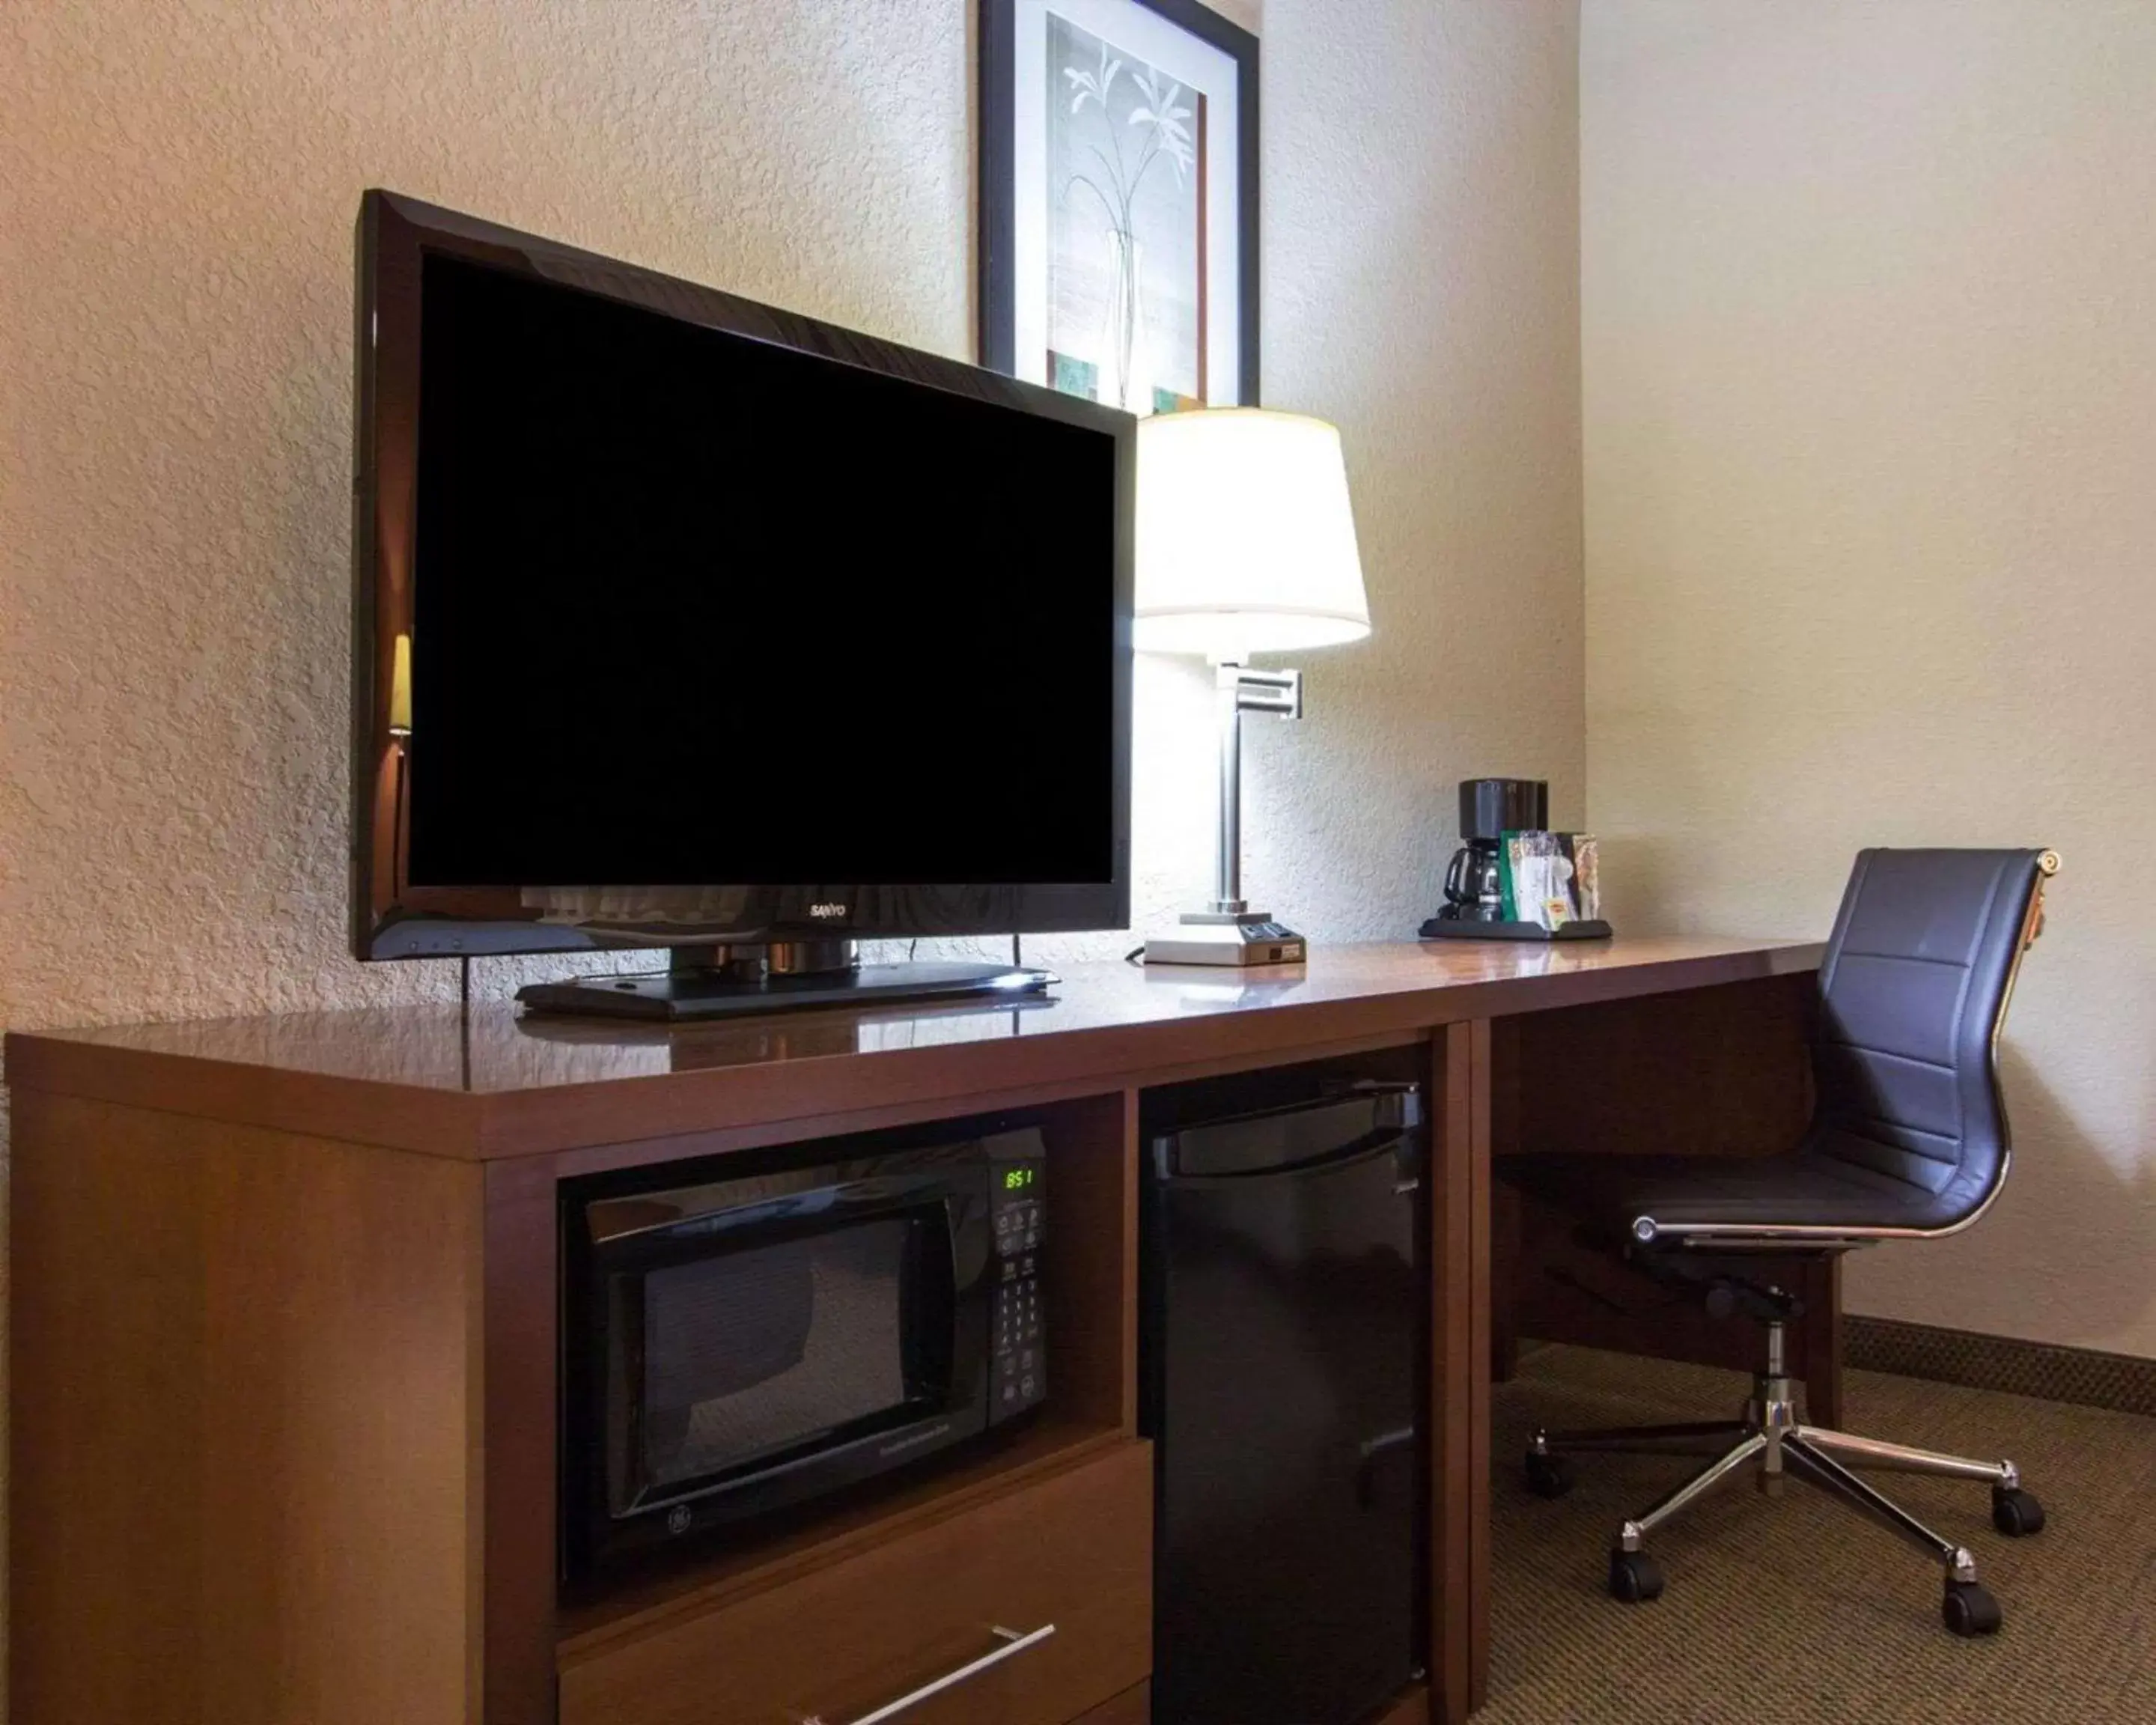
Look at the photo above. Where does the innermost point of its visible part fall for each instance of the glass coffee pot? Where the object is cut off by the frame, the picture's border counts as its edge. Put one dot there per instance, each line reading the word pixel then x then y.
pixel 1488 808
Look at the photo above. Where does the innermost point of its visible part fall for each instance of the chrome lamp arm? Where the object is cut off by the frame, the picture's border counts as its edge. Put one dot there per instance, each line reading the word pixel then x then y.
pixel 1240 688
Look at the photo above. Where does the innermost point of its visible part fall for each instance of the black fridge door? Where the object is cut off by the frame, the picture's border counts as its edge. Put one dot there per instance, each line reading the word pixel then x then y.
pixel 1284 1350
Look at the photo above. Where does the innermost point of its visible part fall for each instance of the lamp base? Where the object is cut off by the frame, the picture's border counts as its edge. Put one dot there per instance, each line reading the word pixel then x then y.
pixel 1234 939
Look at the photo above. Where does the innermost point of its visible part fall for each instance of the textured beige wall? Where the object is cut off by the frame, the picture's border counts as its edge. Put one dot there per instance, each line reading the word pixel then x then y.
pixel 175 376
pixel 180 184
pixel 1422 277
pixel 177 185
pixel 1870 346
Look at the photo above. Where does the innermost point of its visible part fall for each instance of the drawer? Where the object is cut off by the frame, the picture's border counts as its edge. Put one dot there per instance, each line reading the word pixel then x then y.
pixel 835 1645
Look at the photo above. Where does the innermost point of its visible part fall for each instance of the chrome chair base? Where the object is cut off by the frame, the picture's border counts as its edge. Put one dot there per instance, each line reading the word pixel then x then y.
pixel 1771 1441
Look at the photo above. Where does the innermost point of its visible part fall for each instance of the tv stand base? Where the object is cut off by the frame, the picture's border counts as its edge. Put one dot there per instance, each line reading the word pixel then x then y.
pixel 684 996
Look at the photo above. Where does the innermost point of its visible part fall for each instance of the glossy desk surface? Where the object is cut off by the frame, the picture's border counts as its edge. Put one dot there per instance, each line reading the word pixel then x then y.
pixel 496 1083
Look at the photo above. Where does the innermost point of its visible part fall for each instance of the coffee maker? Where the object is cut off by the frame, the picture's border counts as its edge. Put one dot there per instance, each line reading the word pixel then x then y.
pixel 1488 808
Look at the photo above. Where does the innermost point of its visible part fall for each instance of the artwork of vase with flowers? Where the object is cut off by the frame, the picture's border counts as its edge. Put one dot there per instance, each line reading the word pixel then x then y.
pixel 1126 200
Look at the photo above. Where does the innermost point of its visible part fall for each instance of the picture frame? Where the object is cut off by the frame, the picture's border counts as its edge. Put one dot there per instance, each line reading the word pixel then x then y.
pixel 1118 250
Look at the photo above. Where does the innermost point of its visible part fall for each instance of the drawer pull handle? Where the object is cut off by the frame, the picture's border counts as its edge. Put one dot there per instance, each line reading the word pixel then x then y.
pixel 1014 1642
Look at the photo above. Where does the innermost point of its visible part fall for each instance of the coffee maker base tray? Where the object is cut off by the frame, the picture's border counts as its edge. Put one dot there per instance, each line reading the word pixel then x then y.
pixel 1467 928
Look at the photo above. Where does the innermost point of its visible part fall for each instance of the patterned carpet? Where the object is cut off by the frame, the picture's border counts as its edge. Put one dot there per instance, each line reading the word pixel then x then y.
pixel 1795 1610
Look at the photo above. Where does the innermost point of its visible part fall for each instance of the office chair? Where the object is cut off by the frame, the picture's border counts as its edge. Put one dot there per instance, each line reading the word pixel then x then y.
pixel 1907 1141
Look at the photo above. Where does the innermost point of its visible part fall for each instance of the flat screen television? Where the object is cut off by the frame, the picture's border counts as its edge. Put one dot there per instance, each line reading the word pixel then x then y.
pixel 685 621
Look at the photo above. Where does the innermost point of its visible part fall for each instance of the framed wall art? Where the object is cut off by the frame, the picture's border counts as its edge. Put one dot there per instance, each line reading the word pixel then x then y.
pixel 1119 201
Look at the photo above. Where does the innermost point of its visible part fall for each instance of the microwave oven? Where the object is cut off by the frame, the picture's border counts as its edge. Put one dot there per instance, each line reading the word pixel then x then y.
pixel 767 1330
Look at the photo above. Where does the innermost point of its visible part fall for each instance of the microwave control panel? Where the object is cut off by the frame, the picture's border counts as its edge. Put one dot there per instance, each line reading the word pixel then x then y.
pixel 1018 1205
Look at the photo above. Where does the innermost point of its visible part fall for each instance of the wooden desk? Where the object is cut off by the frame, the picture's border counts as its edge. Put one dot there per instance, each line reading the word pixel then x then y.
pixel 284 1337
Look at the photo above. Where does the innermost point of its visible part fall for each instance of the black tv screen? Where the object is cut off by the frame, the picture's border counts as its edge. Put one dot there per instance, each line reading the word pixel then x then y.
pixel 684 618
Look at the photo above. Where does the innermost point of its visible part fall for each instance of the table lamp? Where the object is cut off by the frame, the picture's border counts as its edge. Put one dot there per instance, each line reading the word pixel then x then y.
pixel 1245 544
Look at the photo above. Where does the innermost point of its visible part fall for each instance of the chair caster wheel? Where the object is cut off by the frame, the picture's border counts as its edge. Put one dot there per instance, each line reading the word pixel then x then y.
pixel 1969 1610
pixel 2015 1512
pixel 1636 1577
pixel 1549 1476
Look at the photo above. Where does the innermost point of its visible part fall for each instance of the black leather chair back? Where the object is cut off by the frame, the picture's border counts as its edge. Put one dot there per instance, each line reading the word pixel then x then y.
pixel 1912 988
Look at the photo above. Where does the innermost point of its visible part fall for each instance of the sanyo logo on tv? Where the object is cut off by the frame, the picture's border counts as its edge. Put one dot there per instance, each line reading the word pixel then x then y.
pixel 827 911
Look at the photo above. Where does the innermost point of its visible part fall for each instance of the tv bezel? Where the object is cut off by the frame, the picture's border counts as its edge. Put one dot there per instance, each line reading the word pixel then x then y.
pixel 392 919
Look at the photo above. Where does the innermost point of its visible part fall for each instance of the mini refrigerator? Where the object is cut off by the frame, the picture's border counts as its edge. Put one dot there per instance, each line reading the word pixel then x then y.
pixel 1283 1374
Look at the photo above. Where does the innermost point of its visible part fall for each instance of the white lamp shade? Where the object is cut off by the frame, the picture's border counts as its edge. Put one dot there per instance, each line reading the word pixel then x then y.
pixel 1246 540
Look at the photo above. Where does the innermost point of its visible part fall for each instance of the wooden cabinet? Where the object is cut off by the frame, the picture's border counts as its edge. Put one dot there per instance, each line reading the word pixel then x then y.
pixel 1072 1553
pixel 284 1342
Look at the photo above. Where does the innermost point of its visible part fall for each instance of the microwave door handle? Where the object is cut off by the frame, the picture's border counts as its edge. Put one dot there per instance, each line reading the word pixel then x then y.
pixel 1016 1642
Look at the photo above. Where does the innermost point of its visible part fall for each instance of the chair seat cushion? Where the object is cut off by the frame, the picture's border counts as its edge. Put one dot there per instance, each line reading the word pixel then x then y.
pixel 1801 1188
